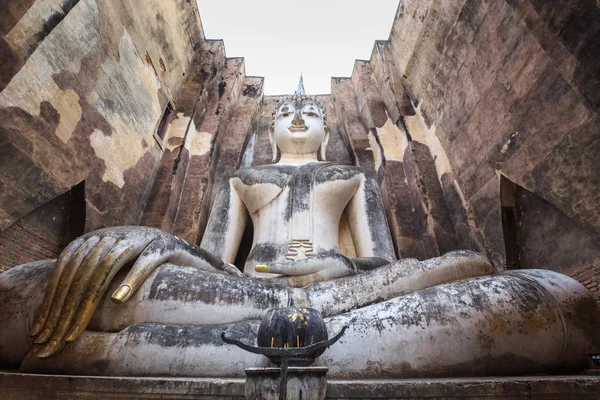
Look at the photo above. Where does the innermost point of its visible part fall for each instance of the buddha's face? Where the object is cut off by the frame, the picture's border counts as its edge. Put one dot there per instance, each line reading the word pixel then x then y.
pixel 298 127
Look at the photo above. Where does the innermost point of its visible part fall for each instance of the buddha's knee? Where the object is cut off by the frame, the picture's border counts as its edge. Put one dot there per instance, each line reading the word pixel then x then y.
pixel 574 304
pixel 21 292
pixel 510 323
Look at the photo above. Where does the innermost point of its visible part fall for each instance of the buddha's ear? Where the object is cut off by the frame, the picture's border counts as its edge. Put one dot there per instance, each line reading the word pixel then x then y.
pixel 274 148
pixel 324 144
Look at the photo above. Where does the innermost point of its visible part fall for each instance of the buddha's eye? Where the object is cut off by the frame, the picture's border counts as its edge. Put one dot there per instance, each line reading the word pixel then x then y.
pixel 285 114
pixel 311 114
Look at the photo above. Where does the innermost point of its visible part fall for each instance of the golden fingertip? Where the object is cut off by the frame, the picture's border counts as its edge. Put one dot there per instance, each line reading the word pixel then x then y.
pixel 36 329
pixel 121 294
pixel 48 350
pixel 73 334
pixel 261 268
pixel 43 337
pixel 43 354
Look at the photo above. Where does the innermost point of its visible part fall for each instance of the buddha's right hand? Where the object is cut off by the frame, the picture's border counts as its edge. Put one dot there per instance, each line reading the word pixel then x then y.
pixel 85 268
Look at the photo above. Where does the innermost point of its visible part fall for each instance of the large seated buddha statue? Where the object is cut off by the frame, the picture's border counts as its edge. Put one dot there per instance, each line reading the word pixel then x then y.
pixel 135 300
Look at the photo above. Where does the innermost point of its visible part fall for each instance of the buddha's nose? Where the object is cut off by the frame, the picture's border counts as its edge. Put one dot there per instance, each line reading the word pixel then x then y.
pixel 297 121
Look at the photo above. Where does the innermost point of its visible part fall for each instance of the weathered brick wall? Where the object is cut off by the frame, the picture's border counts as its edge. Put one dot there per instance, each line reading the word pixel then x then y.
pixel 539 235
pixel 22 243
pixel 83 86
pixel 504 88
pixel 82 91
pixel 588 275
pixel 491 88
pixel 39 235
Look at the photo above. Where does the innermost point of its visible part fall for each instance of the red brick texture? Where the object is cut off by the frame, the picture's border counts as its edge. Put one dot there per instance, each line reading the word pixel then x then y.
pixel 22 243
pixel 588 275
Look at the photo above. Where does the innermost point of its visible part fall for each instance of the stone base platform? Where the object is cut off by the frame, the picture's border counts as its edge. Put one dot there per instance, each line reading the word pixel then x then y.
pixel 49 387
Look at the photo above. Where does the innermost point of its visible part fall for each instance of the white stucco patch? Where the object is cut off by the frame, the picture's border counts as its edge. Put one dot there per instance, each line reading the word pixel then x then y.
pixel 198 143
pixel 126 92
pixel 119 152
pixel 393 141
pixel 376 149
pixel 66 103
pixel 126 95
pixel 177 129
pixel 419 131
pixel 34 83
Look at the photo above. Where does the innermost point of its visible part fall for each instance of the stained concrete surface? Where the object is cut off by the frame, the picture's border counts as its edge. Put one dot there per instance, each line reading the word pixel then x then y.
pixel 16 386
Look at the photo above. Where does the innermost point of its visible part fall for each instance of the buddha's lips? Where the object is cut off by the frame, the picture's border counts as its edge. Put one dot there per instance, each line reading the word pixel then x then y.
pixel 296 128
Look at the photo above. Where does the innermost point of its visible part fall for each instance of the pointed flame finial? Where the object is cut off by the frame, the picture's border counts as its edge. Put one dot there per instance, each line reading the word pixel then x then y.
pixel 300 89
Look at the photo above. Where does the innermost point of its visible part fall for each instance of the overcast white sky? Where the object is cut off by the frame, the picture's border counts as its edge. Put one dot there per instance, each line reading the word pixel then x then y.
pixel 281 39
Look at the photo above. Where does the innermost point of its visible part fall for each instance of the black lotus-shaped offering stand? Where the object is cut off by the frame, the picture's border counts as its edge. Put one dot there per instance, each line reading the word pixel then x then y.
pixel 290 336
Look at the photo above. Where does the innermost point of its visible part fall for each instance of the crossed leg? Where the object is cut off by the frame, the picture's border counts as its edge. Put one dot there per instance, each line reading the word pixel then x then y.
pixel 187 296
pixel 511 323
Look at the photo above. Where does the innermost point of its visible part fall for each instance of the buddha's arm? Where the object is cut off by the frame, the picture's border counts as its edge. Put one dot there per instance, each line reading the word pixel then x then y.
pixel 86 267
pixel 368 224
pixel 226 224
pixel 392 280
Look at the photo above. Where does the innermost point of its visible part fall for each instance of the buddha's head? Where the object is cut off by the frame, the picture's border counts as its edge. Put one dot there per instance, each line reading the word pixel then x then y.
pixel 298 127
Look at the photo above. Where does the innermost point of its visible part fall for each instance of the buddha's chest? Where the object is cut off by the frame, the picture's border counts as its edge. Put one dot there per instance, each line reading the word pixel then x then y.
pixel 297 224
pixel 312 191
pixel 319 200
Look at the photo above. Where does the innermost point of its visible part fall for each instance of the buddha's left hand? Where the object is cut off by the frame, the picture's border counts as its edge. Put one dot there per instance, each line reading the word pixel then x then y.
pixel 85 268
pixel 322 267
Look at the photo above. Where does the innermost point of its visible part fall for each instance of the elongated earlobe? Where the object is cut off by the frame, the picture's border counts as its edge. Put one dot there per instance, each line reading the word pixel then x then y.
pixel 324 144
pixel 274 148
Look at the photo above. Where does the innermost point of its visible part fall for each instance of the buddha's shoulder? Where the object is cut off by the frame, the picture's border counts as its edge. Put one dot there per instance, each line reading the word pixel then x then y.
pixel 281 174
pixel 271 173
pixel 334 172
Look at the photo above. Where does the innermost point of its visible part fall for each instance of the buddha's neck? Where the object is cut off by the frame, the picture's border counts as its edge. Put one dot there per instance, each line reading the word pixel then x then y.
pixel 297 159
